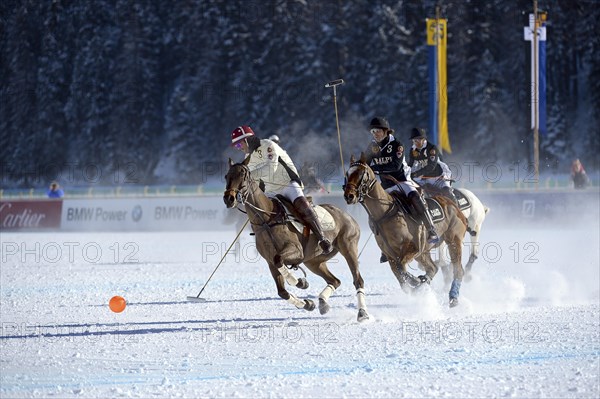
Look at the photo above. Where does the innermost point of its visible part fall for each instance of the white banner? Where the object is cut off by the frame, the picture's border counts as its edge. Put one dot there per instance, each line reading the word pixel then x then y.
pixel 134 214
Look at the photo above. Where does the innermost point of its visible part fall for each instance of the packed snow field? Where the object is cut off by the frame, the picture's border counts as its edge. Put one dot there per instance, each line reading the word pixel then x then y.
pixel 527 324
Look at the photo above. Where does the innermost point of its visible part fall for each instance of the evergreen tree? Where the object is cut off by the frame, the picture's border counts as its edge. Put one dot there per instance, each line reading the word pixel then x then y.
pixel 20 151
pixel 152 89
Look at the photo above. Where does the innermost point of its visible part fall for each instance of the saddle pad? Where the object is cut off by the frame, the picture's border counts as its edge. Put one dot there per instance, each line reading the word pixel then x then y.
pixel 463 202
pixel 326 219
pixel 435 210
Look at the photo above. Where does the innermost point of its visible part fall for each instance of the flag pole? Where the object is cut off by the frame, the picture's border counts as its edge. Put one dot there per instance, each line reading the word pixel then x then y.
pixel 437 72
pixel 536 135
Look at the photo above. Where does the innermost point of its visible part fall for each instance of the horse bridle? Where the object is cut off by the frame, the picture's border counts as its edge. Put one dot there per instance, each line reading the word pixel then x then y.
pixel 242 193
pixel 364 185
pixel 363 189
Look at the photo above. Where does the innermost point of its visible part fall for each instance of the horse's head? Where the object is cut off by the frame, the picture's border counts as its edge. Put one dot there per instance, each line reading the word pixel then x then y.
pixel 359 180
pixel 237 180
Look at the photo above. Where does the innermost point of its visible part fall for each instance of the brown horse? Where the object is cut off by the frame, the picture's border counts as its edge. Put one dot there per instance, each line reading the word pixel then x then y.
pixel 401 238
pixel 282 245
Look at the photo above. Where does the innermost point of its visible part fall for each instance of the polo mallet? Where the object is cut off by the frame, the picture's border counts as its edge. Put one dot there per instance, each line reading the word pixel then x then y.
pixel 197 297
pixel 437 177
pixel 334 84
pixel 364 246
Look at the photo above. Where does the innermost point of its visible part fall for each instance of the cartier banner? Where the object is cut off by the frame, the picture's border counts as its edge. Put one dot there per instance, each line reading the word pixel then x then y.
pixel 32 214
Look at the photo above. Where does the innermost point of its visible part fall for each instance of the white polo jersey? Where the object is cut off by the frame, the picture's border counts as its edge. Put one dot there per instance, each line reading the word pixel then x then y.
pixel 265 165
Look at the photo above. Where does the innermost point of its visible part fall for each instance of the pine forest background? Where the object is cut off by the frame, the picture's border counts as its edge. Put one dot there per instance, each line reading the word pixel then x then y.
pixel 158 85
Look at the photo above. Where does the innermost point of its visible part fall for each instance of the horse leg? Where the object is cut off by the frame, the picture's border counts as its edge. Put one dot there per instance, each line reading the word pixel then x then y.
pixel 321 269
pixel 478 214
pixel 474 252
pixel 407 281
pixel 431 268
pixel 349 251
pixel 443 263
pixel 289 278
pixel 306 304
pixel 455 256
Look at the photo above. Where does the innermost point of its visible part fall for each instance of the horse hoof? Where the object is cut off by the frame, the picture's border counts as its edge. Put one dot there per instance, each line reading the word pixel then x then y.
pixel 323 306
pixel 362 315
pixel 309 305
pixel 407 280
pixel 302 283
pixel 453 302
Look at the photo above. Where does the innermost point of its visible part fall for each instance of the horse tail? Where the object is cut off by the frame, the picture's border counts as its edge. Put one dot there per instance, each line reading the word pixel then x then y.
pixel 461 216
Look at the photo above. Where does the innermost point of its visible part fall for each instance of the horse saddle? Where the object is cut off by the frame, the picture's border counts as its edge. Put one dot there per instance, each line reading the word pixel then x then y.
pixel 295 219
pixel 435 209
pixel 463 202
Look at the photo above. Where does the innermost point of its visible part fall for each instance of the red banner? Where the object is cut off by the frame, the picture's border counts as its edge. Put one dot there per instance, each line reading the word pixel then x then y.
pixel 30 214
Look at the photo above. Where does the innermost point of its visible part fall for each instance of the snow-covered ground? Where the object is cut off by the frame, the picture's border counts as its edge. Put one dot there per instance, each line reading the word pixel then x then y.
pixel 527 324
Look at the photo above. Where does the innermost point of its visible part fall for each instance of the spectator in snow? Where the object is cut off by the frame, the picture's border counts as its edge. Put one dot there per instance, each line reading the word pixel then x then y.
pixel 578 175
pixel 55 191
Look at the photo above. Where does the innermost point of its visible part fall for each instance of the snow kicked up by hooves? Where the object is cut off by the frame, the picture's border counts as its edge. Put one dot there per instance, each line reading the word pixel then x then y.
pixel 522 329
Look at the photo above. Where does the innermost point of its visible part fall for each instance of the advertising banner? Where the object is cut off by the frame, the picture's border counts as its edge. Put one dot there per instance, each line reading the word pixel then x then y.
pixel 139 214
pixel 30 214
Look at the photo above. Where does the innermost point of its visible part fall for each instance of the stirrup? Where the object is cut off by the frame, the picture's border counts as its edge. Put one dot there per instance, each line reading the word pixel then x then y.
pixel 432 237
pixel 383 258
pixel 326 246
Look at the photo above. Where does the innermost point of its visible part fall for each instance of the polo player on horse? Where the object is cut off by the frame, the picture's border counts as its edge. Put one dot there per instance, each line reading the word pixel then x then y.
pixel 270 165
pixel 427 168
pixel 385 155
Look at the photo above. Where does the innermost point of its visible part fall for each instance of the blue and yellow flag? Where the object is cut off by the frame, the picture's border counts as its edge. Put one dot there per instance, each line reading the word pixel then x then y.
pixel 438 83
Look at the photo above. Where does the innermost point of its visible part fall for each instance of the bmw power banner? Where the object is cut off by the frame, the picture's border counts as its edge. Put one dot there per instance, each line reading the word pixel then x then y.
pixel 138 214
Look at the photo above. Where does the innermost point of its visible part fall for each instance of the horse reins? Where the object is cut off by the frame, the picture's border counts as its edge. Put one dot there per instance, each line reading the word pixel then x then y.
pixel 242 197
pixel 364 192
pixel 260 212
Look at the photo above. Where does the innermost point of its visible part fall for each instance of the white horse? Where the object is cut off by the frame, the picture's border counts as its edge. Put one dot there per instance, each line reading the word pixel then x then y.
pixel 475 215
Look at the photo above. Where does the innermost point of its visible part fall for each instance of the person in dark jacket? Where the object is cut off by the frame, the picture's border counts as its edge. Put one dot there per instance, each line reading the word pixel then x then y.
pixel 385 155
pixel 578 175
pixel 426 166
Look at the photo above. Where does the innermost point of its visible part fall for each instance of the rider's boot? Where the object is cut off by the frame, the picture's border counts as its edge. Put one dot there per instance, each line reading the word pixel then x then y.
pixel 449 192
pixel 423 214
pixel 310 217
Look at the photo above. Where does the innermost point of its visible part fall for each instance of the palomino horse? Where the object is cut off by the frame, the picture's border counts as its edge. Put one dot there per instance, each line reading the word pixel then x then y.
pixel 401 238
pixel 282 245
pixel 474 211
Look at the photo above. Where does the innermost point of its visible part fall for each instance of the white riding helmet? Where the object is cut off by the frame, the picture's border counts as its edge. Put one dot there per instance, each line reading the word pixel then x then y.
pixel 274 138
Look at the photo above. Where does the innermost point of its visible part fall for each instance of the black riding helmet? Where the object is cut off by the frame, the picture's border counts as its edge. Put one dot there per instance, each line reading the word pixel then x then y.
pixel 379 122
pixel 418 133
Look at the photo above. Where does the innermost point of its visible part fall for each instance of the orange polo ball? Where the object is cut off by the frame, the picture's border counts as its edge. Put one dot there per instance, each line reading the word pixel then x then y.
pixel 117 304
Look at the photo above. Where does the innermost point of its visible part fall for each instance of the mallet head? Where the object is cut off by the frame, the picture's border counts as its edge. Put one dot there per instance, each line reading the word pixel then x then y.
pixel 334 83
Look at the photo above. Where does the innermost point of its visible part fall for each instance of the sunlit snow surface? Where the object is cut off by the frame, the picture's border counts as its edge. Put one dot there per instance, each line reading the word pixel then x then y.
pixel 527 324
